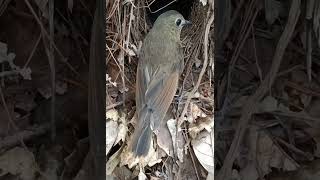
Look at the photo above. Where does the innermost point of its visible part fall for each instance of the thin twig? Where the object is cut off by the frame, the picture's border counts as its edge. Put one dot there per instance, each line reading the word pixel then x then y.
pixel 32 52
pixel 251 104
pixel 255 54
pixel 162 7
pixel 203 70
pixel 24 146
pixel 52 69
pixel 194 164
pixel 25 135
pixel 114 105
pixel 63 59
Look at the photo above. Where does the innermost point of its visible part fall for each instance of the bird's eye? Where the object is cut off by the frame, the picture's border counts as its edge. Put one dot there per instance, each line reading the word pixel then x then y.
pixel 178 22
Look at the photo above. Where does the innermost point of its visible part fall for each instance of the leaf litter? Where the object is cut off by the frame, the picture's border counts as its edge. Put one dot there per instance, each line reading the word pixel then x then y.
pixel 26 150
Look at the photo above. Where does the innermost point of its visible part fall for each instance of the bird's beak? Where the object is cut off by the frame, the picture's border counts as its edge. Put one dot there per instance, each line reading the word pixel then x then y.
pixel 186 23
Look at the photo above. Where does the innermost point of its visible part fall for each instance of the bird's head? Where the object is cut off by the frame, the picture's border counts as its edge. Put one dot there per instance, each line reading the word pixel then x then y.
pixel 171 23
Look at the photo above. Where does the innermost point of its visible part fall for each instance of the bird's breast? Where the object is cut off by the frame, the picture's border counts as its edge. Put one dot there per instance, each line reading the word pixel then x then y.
pixel 161 50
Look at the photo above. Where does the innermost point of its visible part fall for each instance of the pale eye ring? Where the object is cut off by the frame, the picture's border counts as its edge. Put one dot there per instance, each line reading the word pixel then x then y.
pixel 178 22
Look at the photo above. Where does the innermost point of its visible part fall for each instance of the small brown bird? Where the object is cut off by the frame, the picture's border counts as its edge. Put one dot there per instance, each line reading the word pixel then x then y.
pixel 159 68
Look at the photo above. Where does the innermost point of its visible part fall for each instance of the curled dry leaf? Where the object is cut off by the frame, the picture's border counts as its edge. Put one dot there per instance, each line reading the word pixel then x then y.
pixel 272 10
pixel 141 175
pixel 123 129
pixel 204 2
pixel 316 21
pixel 112 115
pixel 203 147
pixel 25 102
pixel 268 104
pixel 195 112
pixel 235 175
pixel 187 169
pixel 109 80
pixel 112 163
pixel 163 139
pixel 42 5
pixel 116 129
pixel 206 123
pixel 131 52
pixel 25 73
pixel 70 5
pixel 314 111
pixel 210 176
pixel 249 172
pixel 4 56
pixel 111 134
pixel 310 171
pixel 61 87
pixel 9 57
pixel 177 139
pixel 122 173
pixel 270 155
pixel 18 161
pixel 45 89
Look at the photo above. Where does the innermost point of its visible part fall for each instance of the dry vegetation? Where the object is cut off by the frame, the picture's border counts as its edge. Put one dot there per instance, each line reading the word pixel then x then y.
pixel 33 71
pixel 191 115
pixel 259 59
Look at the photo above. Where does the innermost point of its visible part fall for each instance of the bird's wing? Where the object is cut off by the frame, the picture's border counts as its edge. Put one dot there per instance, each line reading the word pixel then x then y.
pixel 160 92
pixel 141 87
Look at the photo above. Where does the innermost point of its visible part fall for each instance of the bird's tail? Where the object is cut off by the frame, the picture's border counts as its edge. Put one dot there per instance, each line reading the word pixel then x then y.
pixel 142 134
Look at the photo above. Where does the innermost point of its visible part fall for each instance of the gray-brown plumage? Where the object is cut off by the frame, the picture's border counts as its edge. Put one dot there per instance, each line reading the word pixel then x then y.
pixel 159 68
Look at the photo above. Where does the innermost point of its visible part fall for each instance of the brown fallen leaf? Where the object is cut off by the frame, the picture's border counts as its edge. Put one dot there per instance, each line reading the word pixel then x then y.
pixel 18 161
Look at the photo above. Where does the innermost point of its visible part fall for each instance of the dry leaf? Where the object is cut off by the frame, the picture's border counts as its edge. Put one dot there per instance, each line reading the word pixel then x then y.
pixel 122 130
pixel 131 52
pixel 206 123
pixel 141 175
pixel 249 172
pixel 45 89
pixel 177 139
pixel 122 173
pixel 187 169
pixel 113 162
pixel 195 112
pixel 314 111
pixel 111 134
pixel 42 5
pixel 270 155
pixel 235 175
pixel 316 20
pixel 204 2
pixel 310 171
pixel 18 161
pixel 203 147
pixel 164 140
pixel 25 102
pixel 61 87
pixel 116 128
pixel 3 53
pixel 70 5
pixel 210 176
pixel 269 104
pixel 25 73
pixel 50 162
pixel 272 10
pixel 113 115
